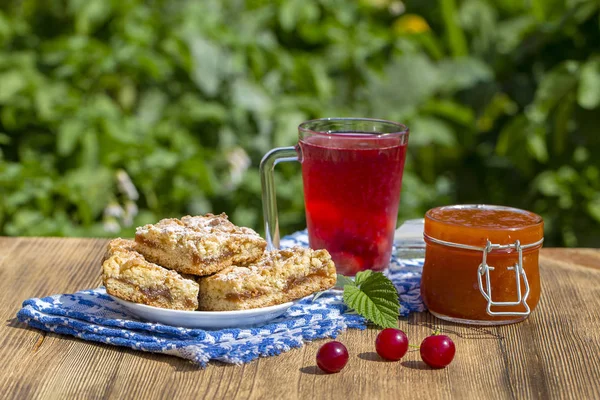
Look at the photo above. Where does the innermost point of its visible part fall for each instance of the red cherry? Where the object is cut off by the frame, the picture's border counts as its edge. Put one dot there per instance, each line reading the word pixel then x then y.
pixel 332 357
pixel 391 344
pixel 437 351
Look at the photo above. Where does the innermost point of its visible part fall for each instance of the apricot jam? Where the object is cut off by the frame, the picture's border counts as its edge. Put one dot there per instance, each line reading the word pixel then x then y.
pixel 472 272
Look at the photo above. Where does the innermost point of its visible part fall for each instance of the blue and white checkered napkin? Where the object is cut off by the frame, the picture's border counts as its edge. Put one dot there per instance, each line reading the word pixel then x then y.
pixel 93 315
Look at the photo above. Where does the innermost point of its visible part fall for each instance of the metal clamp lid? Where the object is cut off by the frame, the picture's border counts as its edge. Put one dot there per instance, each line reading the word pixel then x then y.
pixel 484 270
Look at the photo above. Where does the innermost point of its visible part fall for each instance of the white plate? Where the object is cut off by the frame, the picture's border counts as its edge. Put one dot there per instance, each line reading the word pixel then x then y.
pixel 204 319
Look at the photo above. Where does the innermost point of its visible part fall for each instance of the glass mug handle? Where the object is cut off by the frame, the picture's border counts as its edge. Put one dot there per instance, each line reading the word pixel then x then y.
pixel 269 196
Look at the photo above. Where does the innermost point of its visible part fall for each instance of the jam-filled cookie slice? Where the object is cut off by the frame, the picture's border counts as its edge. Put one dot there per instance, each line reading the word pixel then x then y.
pixel 128 275
pixel 200 245
pixel 278 277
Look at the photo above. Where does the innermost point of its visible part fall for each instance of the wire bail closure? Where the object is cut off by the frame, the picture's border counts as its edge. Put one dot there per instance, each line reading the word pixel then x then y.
pixel 484 270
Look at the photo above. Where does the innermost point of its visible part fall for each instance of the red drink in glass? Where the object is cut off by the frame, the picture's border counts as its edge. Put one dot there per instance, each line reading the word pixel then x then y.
pixel 352 172
pixel 352 188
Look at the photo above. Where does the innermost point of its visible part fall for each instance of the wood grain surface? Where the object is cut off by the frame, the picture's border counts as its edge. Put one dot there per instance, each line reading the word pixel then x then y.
pixel 553 354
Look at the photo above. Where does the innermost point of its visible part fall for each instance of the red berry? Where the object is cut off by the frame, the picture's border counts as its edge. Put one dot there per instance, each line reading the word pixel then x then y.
pixel 437 351
pixel 391 344
pixel 332 357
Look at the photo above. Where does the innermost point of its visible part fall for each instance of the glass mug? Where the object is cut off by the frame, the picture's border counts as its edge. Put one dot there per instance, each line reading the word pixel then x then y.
pixel 352 175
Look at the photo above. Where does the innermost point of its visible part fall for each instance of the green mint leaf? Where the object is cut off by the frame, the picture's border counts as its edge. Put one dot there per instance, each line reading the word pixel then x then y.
pixel 362 276
pixel 343 281
pixel 375 298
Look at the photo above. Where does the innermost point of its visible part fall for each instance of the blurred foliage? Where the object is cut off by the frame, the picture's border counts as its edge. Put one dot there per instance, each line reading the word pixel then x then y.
pixel 116 113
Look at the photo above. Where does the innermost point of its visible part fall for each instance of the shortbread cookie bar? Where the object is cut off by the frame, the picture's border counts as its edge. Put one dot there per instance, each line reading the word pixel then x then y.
pixel 127 275
pixel 280 276
pixel 200 245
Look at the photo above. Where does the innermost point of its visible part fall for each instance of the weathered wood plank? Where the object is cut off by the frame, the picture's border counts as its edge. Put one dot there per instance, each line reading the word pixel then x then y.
pixel 554 354
pixel 589 258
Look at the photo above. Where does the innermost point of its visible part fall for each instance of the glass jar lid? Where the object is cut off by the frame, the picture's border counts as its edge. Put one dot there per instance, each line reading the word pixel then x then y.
pixel 476 224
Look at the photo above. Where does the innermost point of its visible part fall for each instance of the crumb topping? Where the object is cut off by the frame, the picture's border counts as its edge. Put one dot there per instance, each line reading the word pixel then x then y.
pixel 277 262
pixel 203 235
pixel 197 226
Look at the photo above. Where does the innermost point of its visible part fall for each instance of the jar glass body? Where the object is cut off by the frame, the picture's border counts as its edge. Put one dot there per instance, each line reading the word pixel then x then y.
pixel 450 284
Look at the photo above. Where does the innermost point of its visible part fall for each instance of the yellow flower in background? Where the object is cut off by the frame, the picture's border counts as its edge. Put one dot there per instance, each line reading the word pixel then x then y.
pixel 410 23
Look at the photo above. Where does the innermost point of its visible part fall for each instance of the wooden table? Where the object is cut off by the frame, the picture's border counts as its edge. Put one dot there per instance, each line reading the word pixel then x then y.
pixel 553 354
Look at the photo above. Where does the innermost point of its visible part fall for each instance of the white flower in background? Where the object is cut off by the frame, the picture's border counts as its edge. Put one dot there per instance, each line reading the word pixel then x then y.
pixel 111 225
pixel 397 8
pixel 131 210
pixel 112 213
pixel 239 162
pixel 116 215
pixel 126 186
pixel 114 210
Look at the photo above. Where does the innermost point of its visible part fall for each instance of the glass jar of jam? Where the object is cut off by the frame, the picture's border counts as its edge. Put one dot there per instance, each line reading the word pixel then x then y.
pixel 481 263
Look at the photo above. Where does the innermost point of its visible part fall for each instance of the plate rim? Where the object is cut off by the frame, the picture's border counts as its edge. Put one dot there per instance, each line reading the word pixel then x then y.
pixel 204 313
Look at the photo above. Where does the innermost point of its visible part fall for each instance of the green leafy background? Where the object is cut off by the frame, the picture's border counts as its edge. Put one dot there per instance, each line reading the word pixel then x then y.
pixel 115 113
